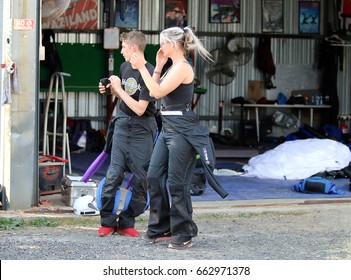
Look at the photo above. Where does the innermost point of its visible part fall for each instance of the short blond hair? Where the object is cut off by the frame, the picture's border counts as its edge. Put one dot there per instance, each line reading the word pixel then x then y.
pixel 134 37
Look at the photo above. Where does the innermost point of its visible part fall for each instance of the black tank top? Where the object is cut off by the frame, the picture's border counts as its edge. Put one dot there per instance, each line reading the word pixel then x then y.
pixel 183 94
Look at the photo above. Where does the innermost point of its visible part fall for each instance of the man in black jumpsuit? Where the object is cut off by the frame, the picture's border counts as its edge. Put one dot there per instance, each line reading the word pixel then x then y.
pixel 132 144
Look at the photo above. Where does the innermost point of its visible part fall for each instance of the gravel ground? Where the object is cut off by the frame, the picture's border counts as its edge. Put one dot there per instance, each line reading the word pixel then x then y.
pixel 291 231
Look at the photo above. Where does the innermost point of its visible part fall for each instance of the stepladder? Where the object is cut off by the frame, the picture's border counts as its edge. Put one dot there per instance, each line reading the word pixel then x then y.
pixel 51 137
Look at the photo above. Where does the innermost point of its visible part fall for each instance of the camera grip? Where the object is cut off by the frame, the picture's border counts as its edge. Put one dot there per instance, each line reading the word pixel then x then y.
pixel 105 82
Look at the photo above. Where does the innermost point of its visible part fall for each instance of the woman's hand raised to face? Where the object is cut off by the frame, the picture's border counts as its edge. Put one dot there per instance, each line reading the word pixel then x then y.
pixel 137 60
pixel 134 59
pixel 161 59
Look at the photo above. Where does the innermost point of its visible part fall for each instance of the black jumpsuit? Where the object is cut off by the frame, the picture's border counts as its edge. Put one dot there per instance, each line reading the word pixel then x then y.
pixel 172 164
pixel 132 146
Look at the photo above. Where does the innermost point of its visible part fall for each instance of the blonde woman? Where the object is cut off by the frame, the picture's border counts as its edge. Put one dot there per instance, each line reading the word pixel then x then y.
pixel 173 159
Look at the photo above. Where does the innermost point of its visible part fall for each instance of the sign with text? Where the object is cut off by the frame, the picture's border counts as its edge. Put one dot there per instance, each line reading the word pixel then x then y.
pixel 80 15
pixel 23 24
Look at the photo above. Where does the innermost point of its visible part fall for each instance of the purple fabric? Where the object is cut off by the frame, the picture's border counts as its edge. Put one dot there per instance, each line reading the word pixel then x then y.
pixel 94 166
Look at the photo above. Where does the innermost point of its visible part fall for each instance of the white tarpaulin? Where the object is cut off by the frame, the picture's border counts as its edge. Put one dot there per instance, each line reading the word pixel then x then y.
pixel 299 159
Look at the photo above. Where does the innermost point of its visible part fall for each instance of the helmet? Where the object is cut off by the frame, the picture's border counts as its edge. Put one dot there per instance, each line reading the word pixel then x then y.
pixel 85 205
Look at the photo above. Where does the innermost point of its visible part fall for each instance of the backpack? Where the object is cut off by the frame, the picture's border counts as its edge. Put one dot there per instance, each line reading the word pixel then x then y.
pixel 317 184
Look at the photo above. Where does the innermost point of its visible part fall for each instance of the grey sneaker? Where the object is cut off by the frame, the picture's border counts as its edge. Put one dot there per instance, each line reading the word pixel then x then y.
pixel 166 237
pixel 180 245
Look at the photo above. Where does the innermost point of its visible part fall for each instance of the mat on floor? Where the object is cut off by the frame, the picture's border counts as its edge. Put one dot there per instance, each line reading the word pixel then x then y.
pixel 252 188
pixel 238 187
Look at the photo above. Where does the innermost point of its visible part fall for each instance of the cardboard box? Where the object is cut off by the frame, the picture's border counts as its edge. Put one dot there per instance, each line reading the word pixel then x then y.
pixel 255 91
pixel 73 188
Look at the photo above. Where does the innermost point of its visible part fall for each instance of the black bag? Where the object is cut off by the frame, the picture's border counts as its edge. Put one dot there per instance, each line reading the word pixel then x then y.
pixel 4 203
pixel 296 100
pixel 52 59
pixel 52 62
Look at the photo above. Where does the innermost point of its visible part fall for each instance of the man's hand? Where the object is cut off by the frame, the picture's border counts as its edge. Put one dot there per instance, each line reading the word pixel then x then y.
pixel 102 88
pixel 105 86
pixel 115 85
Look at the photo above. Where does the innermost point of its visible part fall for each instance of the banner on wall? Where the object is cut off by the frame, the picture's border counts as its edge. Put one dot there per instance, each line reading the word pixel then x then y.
pixel 345 16
pixel 346 7
pixel 80 15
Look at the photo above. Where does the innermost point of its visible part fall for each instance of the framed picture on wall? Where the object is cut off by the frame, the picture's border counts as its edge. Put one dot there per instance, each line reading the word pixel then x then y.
pixel 309 17
pixel 127 14
pixel 224 11
pixel 176 13
pixel 272 16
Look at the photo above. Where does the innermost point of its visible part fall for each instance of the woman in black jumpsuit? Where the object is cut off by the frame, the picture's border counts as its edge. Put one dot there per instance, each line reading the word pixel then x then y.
pixel 173 159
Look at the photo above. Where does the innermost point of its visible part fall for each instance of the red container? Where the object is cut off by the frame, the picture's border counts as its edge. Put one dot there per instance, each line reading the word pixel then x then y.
pixel 50 173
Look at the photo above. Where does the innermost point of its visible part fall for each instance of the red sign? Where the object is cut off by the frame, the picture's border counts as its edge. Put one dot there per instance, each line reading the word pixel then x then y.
pixel 346 7
pixel 23 24
pixel 80 15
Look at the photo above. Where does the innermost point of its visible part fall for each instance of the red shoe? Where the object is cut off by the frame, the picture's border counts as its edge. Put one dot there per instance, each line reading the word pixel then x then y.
pixel 130 232
pixel 106 231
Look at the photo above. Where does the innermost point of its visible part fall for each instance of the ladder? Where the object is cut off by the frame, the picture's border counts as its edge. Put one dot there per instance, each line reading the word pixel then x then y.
pixel 58 79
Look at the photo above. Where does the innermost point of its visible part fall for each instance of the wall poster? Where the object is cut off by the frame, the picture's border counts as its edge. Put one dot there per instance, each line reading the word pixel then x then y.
pixel 224 11
pixel 176 13
pixel 272 16
pixel 309 17
pixel 127 14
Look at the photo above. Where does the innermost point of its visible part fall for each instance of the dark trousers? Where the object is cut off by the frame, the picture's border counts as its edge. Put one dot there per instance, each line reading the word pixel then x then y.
pixel 173 160
pixel 131 151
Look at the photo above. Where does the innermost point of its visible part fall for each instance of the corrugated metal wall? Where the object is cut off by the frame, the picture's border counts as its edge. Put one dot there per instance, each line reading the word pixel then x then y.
pixel 344 83
pixel 286 49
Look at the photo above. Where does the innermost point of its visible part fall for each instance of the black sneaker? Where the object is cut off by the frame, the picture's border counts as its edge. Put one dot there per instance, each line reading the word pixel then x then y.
pixel 166 237
pixel 180 245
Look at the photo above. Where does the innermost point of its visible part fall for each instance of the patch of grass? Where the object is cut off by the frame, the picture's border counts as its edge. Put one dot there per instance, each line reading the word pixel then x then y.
pixel 94 221
pixel 215 216
pixel 245 215
pixel 10 223
pixel 142 219
pixel 15 223
pixel 43 222
pixel 249 215
pixel 80 221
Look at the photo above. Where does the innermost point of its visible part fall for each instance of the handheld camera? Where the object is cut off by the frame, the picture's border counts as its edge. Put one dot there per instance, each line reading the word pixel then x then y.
pixel 105 82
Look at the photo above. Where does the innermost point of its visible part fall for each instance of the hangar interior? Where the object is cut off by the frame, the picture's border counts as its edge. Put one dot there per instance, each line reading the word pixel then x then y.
pixel 247 108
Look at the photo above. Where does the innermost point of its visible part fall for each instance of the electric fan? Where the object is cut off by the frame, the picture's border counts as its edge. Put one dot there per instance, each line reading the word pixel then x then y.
pixel 237 52
pixel 241 50
pixel 221 74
